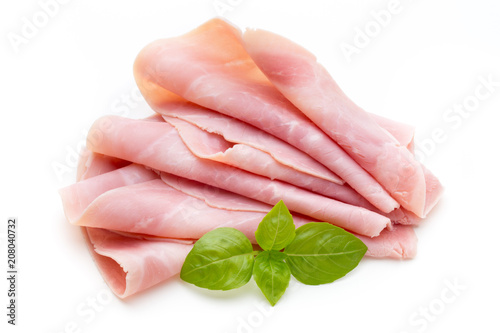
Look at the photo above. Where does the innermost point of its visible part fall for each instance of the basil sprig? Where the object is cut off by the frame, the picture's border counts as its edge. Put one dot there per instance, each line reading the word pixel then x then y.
pixel 220 260
pixel 315 253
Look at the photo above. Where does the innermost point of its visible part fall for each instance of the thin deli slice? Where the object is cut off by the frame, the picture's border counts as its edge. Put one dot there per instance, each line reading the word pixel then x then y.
pixel 221 76
pixel 131 264
pixel 159 146
pixel 297 75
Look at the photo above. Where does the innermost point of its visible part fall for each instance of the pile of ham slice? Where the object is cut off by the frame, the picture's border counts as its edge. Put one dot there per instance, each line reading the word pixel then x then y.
pixel 242 121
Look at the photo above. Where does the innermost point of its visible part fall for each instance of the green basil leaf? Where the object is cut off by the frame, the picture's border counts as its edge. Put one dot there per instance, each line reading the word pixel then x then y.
pixel 272 275
pixel 222 259
pixel 322 253
pixel 276 229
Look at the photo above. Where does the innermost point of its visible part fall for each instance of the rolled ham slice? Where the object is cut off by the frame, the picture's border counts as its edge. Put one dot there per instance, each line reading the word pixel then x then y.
pixel 221 76
pixel 297 75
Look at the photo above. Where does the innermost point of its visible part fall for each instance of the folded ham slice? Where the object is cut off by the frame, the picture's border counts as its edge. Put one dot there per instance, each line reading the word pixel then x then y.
pixel 402 132
pixel 130 264
pixel 242 154
pixel 213 122
pixel 159 146
pixel 154 208
pixel 398 243
pixel 78 196
pixel 206 144
pixel 235 131
pixel 297 75
pixel 100 164
pixel 403 241
pixel 222 77
pixel 140 216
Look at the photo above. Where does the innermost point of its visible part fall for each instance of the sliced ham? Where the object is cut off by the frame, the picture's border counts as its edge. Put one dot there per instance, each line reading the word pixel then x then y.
pixel 388 244
pixel 140 216
pixel 159 146
pixel 398 243
pixel 237 132
pixel 434 190
pixel 157 209
pixel 130 265
pixel 205 144
pixel 298 76
pixel 77 197
pixel 221 76
pixel 100 164
pixel 214 196
pixel 402 132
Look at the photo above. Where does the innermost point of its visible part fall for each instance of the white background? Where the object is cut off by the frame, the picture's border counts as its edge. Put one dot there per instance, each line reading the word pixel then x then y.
pixel 78 66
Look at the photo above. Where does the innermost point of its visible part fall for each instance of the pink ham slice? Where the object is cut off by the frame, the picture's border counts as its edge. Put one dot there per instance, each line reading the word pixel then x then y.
pixel 241 155
pixel 93 164
pixel 78 197
pixel 433 190
pixel 100 164
pixel 221 76
pixel 236 132
pixel 298 76
pixel 398 243
pixel 131 262
pixel 127 263
pixel 156 209
pixel 130 265
pixel 210 138
pixel 214 122
pixel 402 132
pixel 159 146
pixel 214 196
